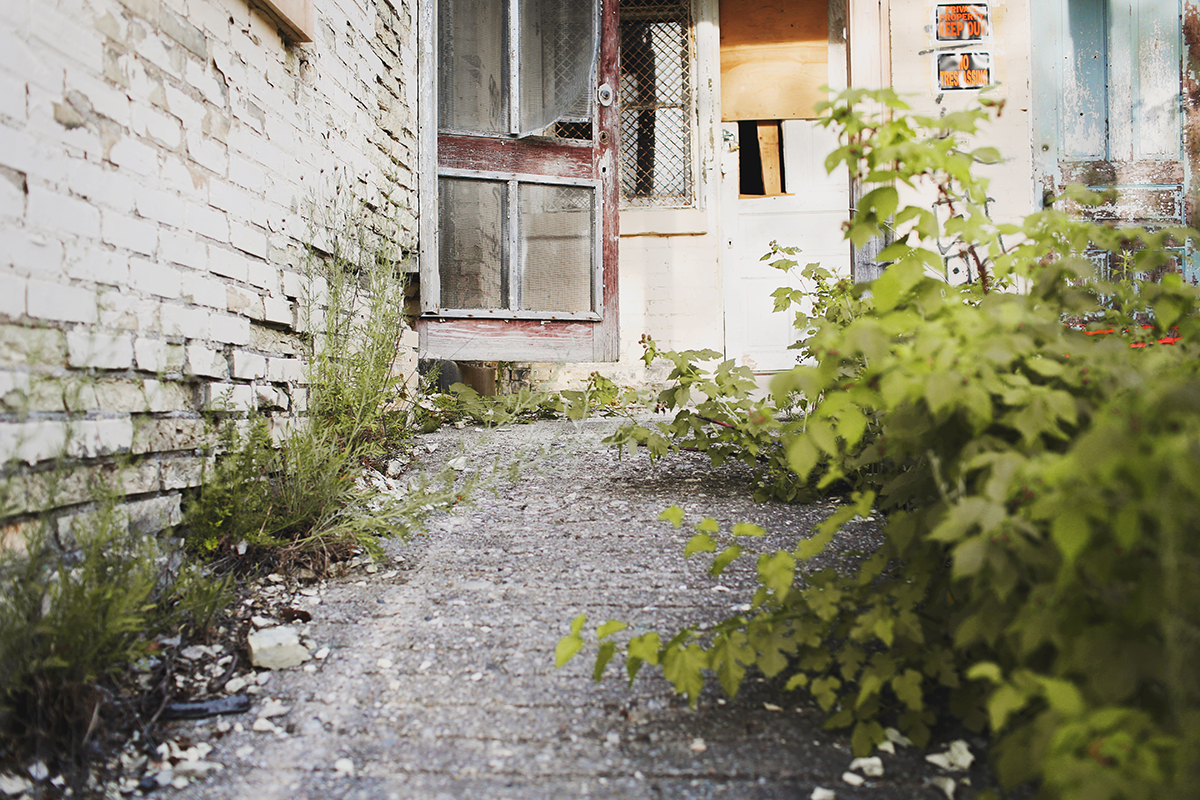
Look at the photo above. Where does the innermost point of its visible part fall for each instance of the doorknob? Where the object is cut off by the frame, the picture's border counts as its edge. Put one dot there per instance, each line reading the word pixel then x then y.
pixel 605 95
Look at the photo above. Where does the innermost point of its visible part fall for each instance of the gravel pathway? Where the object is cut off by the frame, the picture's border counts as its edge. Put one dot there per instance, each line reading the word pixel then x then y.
pixel 439 679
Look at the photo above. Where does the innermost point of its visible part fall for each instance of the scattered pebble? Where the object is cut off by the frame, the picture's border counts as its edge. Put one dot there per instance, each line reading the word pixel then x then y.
pixel 896 737
pixel 853 779
pixel 273 708
pixel 820 793
pixel 244 750
pixel 955 759
pixel 263 725
pixel 344 766
pixel 945 784
pixel 698 746
pixel 235 685
pixel 887 747
pixel 384 663
pixel 871 767
pixel 321 654
pixel 771 707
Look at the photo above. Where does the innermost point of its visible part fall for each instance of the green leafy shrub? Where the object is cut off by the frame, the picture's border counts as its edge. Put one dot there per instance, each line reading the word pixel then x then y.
pixel 1038 485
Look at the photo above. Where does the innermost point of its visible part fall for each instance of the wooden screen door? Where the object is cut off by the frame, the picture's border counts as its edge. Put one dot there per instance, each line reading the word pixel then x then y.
pixel 519 249
pixel 1108 106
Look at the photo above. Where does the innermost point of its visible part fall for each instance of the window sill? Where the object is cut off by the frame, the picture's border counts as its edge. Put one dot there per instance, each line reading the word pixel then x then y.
pixel 664 222
pixel 294 17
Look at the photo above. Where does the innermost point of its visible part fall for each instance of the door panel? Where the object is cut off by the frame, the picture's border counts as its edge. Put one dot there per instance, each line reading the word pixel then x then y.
pixel 1107 105
pixel 523 258
pixel 1107 108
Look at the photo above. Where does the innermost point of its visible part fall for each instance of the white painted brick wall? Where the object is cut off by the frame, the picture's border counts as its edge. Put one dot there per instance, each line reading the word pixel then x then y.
pixel 159 160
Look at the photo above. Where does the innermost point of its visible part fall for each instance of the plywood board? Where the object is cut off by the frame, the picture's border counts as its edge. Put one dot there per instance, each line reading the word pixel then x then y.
pixel 774 58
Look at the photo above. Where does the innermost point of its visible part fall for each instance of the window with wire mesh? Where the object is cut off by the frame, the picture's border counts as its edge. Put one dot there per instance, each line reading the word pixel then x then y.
pixel 656 104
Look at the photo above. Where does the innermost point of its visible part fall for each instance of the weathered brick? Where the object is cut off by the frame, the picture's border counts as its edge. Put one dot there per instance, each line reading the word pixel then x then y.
pixel 285 370
pixel 154 514
pixel 263 275
pixel 184 32
pixel 208 222
pixel 131 233
pixel 244 302
pixel 182 248
pixel 89 348
pixel 97 265
pixel 165 207
pixel 163 435
pixel 186 321
pixel 128 153
pixel 230 263
pixel 199 289
pixel 54 301
pixel 156 355
pixel 31 442
pixel 90 438
pixel 248 238
pixel 205 362
pixel 229 396
pixel 12 294
pixel 278 309
pixel 229 328
pixel 247 366
pixel 52 211
pixel 181 472
pixel 156 279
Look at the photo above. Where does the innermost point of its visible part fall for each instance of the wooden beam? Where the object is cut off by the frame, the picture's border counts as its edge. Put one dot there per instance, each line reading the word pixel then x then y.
pixel 771 156
pixel 774 58
pixel 295 18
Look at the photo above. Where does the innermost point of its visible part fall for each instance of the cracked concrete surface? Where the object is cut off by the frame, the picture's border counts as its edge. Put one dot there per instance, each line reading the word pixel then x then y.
pixel 440 682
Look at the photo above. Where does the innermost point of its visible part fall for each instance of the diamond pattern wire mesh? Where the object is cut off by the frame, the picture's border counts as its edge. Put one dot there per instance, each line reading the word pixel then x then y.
pixel 656 103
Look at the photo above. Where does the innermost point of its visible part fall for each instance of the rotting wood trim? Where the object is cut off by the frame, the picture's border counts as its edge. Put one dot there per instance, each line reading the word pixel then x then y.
pixel 1117 173
pixel 295 18
pixel 507 340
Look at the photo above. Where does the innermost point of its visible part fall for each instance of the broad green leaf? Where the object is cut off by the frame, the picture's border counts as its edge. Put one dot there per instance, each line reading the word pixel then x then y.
pixel 708 525
pixel 566 649
pixel 645 647
pixel 748 529
pixel 1063 696
pixel 908 689
pixel 985 670
pixel 1003 703
pixel 603 656
pixel 578 623
pixel 866 735
pixel 797 681
pixel 724 559
pixel 610 627
pixel 776 572
pixel 684 668
pixel 700 543
pixel 1071 532
pixel 673 515
pixel 802 456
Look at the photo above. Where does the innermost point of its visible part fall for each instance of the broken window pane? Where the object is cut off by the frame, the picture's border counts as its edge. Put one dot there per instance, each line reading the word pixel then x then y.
pixel 558 56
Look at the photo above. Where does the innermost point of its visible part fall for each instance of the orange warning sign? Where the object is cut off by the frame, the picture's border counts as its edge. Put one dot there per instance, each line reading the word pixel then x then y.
pixel 964 71
pixel 962 23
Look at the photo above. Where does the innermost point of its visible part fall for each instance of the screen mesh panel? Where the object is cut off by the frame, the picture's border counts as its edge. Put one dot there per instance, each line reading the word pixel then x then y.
pixel 473 66
pixel 656 103
pixel 558 53
pixel 557 240
pixel 472 239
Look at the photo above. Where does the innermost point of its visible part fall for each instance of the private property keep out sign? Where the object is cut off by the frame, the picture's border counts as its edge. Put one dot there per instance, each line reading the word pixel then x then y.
pixel 962 23
pixel 964 71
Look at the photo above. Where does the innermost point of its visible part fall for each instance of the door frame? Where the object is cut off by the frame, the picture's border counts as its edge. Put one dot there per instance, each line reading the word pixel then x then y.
pixel 480 335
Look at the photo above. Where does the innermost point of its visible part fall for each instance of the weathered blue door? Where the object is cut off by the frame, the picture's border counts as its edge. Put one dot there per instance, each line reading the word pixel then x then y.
pixel 1107 106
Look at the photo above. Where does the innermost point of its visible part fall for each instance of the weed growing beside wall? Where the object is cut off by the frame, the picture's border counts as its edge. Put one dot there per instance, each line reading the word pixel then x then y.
pixel 1034 453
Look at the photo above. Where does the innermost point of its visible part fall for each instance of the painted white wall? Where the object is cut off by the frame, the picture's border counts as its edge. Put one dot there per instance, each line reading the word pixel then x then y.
pixel 162 166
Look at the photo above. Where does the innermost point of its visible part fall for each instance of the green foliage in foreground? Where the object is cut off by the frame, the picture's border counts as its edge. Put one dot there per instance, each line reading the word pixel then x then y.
pixel 78 604
pixel 1039 486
